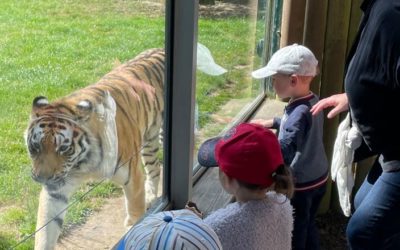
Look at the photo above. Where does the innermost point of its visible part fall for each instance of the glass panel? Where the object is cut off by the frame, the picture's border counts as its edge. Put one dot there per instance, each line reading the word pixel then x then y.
pixel 53 48
pixel 233 32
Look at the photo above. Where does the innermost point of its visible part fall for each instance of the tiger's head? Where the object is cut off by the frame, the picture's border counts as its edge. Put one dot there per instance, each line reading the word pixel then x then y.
pixel 64 138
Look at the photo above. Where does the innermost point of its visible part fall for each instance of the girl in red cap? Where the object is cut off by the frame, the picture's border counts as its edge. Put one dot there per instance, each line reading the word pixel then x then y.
pixel 252 170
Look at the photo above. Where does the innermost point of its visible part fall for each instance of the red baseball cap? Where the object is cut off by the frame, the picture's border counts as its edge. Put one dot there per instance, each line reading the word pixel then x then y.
pixel 248 153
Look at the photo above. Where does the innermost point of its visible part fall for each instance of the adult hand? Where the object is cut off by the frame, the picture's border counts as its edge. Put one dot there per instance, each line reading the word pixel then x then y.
pixel 338 101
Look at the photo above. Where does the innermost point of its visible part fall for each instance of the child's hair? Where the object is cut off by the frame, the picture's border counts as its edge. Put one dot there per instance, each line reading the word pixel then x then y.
pixel 283 182
pixel 306 79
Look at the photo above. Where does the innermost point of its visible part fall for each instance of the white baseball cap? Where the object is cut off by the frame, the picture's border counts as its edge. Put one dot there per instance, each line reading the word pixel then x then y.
pixel 175 229
pixel 206 63
pixel 292 59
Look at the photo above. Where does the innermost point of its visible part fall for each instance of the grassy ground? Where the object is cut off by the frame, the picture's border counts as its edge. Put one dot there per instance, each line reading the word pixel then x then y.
pixel 51 48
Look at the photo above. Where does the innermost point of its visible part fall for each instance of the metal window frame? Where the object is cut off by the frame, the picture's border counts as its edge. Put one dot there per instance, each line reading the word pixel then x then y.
pixel 181 40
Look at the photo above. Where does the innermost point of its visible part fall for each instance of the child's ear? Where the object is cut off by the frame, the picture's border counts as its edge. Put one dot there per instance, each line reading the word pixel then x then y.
pixel 234 183
pixel 293 80
pixel 225 178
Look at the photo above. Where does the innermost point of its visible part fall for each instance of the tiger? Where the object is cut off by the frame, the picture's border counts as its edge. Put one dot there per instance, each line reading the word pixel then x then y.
pixel 99 132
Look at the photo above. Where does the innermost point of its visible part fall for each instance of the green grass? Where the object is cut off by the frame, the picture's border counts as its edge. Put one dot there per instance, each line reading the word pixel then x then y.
pixel 51 48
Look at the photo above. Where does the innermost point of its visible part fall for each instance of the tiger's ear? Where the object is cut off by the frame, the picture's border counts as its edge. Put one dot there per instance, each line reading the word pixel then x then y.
pixel 107 108
pixel 38 103
pixel 84 108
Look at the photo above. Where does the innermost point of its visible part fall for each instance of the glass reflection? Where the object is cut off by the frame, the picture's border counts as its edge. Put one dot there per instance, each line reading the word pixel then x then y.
pixel 234 32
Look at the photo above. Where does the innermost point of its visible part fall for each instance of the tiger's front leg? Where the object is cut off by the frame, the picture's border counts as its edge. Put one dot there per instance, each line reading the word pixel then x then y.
pixel 151 163
pixel 51 205
pixel 131 178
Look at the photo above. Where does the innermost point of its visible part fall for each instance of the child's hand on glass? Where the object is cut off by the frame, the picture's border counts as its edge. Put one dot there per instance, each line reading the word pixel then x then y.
pixel 265 123
pixel 193 207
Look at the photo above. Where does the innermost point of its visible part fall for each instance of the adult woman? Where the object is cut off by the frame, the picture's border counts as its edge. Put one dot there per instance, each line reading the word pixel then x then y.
pixel 372 86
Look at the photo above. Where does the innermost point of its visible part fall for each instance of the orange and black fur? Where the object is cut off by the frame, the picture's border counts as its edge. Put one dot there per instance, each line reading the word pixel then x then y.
pixel 99 132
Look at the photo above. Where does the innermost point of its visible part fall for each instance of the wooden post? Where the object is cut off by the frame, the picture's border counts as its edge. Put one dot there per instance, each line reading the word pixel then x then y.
pixel 333 65
pixel 292 26
pixel 314 34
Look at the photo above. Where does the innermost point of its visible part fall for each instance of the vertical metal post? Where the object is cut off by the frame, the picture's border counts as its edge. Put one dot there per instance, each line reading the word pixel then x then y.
pixel 181 45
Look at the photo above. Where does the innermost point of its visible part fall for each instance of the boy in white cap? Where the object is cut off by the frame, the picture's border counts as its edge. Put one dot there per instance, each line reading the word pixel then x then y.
pixel 292 69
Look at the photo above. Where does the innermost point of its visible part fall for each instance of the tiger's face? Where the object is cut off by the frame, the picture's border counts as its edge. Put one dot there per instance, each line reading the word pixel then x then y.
pixel 57 144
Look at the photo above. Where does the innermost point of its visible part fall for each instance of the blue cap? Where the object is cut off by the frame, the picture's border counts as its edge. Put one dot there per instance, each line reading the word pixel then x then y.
pixel 174 229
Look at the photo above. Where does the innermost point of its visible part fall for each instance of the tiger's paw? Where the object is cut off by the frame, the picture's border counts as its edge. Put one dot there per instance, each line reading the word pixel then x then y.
pixel 150 194
pixel 150 200
pixel 129 221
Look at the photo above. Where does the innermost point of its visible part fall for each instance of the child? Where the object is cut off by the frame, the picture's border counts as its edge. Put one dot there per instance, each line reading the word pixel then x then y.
pixel 251 169
pixel 300 135
pixel 172 230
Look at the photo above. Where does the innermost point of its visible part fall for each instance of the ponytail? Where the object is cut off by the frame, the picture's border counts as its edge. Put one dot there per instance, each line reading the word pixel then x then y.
pixel 284 181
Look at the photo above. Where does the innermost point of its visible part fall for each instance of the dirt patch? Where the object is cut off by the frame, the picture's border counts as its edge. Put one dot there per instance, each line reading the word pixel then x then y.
pixel 102 230
pixel 219 10
pixel 224 10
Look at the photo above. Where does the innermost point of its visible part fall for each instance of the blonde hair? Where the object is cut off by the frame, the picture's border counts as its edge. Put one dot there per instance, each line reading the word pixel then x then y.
pixel 306 79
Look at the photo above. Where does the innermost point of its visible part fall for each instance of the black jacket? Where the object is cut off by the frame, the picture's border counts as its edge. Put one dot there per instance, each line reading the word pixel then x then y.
pixel 372 80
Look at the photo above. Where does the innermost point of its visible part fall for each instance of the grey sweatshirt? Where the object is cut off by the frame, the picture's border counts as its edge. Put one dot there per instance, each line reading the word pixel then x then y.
pixel 255 225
